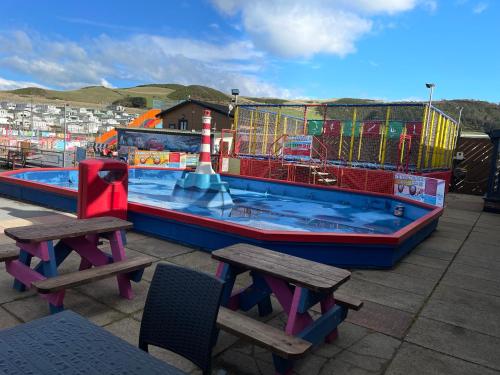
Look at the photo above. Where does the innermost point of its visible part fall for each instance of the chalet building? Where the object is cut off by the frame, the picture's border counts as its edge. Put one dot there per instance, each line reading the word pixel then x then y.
pixel 188 114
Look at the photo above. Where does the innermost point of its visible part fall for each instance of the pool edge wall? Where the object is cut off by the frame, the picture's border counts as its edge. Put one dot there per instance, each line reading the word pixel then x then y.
pixel 349 255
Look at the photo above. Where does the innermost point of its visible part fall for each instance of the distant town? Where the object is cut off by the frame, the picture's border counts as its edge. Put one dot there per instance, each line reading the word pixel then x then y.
pixel 46 120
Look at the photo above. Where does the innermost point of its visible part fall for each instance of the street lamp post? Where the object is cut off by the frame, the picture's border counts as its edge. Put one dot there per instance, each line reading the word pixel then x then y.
pixel 430 86
pixel 64 139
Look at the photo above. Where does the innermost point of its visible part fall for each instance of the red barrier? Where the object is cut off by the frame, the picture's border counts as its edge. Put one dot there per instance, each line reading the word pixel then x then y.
pixel 377 181
pixel 102 188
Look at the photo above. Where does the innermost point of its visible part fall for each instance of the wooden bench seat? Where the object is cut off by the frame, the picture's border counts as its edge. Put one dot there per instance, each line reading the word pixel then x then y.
pixel 262 334
pixel 54 284
pixel 348 302
pixel 9 254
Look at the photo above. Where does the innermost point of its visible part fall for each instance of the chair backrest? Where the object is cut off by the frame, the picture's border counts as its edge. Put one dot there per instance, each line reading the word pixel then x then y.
pixel 181 312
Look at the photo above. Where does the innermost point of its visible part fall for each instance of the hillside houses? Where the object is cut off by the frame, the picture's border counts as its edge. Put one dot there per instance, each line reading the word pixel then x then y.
pixel 51 118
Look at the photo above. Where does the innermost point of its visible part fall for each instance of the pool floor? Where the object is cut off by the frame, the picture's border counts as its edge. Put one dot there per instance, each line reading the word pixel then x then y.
pixel 264 211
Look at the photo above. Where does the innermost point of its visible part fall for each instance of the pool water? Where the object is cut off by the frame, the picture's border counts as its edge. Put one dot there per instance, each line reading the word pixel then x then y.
pixel 263 205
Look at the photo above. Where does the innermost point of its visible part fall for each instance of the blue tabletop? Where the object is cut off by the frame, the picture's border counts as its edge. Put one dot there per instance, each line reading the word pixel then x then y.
pixel 66 343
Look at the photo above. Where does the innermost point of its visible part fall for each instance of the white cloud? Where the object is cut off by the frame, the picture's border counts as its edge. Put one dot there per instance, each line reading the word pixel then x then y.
pixel 480 8
pixel 141 58
pixel 297 28
pixel 7 84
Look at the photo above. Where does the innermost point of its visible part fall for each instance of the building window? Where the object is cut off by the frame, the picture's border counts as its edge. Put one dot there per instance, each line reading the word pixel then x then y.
pixel 171 126
pixel 183 124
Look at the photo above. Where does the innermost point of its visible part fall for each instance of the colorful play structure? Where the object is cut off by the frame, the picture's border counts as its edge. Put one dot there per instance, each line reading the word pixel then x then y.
pixel 357 146
pixel 146 120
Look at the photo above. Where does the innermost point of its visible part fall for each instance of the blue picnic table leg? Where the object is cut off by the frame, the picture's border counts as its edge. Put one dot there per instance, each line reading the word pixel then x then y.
pixel 61 252
pixel 264 305
pixel 50 270
pixel 226 274
pixel 282 366
pixel 24 258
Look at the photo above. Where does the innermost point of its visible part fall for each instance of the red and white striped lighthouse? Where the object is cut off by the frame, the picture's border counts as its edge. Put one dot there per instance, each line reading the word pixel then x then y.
pixel 205 163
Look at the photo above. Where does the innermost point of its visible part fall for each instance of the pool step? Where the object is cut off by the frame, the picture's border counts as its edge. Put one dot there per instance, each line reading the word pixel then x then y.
pixel 327 180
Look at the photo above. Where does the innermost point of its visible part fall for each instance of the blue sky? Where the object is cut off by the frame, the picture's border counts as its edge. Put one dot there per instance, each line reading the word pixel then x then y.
pixel 384 49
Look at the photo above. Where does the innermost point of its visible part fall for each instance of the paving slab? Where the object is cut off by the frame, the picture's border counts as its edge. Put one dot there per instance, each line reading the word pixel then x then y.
pixel 443 243
pixel 198 260
pixel 416 271
pixel 35 307
pixel 7 293
pixel 7 320
pixel 158 248
pixel 432 253
pixel 106 292
pixel 482 252
pixel 478 260
pixel 475 311
pixel 415 360
pixel 456 341
pixel 395 280
pixel 474 284
pixel 382 319
pixel 420 260
pixel 128 330
pixel 237 360
pixel 395 298
pixel 474 271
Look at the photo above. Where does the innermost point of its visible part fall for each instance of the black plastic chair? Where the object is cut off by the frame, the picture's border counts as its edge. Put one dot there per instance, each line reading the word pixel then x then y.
pixel 181 313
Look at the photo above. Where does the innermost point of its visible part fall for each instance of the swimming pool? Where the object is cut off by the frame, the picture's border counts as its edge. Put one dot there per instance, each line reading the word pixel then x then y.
pixel 334 226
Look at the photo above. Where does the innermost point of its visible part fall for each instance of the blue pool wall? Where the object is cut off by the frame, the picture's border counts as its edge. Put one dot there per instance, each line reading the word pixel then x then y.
pixel 340 254
pixel 355 199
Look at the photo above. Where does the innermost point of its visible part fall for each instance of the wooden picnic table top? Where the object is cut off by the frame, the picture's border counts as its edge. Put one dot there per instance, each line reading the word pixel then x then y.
pixel 67 229
pixel 305 273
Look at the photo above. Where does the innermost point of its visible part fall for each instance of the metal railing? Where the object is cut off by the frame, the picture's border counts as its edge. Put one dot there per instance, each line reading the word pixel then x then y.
pixel 21 157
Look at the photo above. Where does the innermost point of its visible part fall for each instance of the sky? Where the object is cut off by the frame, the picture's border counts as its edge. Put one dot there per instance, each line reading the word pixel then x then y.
pixel 314 49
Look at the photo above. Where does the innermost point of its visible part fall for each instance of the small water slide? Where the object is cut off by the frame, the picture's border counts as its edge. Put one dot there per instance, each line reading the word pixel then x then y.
pixel 146 120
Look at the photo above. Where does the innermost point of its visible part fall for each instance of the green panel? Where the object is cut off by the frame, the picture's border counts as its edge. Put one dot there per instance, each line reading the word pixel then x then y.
pixel 395 129
pixel 314 127
pixel 347 128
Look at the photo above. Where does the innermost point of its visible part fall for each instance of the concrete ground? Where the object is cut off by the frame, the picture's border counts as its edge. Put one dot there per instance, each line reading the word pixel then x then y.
pixel 436 312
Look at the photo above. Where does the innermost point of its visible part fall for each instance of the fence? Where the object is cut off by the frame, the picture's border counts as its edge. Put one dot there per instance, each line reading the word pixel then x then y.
pixel 475 168
pixel 413 137
pixel 12 156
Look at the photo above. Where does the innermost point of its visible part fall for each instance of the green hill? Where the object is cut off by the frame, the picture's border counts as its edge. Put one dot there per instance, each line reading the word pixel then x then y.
pixel 477 115
pixel 198 92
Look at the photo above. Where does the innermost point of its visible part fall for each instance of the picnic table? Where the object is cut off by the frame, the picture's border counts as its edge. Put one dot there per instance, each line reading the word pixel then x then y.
pixel 81 236
pixel 297 283
pixel 67 343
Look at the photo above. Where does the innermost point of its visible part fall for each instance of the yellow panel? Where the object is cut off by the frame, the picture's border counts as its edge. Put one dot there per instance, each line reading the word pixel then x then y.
pixel 353 131
pixel 429 139
pixel 422 137
pixel 383 143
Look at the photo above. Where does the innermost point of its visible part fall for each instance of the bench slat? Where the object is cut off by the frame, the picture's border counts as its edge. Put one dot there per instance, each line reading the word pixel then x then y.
pixel 9 254
pixel 313 275
pixel 348 301
pixel 68 229
pixel 262 334
pixel 54 284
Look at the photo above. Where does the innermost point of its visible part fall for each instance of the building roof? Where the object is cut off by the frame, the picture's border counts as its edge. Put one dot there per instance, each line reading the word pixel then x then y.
pixel 220 108
pixel 156 130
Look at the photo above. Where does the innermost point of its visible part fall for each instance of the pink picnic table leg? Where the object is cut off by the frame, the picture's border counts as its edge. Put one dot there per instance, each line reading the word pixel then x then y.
pixel 290 302
pixel 118 252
